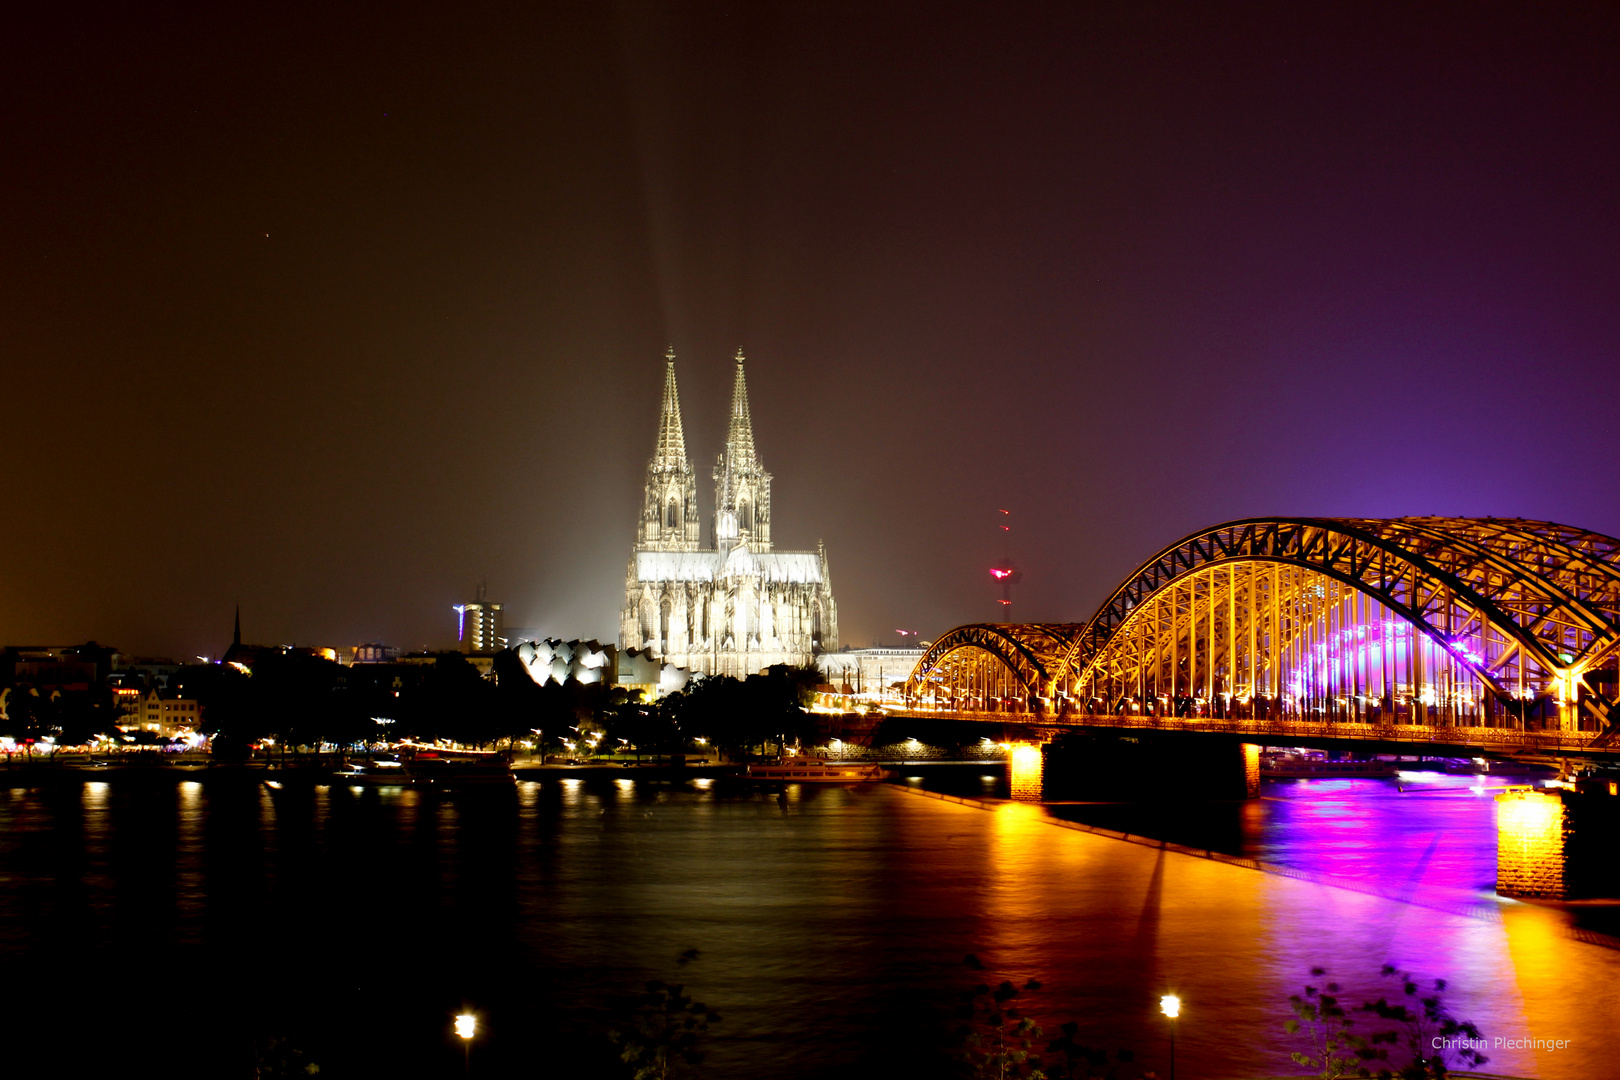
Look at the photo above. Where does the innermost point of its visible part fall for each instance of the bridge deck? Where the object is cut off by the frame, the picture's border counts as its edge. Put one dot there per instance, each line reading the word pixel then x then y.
pixel 1501 741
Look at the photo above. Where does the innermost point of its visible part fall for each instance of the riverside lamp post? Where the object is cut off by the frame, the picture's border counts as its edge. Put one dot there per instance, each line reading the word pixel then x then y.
pixel 1170 1005
pixel 466 1027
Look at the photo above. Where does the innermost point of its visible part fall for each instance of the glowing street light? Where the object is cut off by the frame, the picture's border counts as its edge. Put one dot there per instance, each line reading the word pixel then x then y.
pixel 466 1027
pixel 1170 1005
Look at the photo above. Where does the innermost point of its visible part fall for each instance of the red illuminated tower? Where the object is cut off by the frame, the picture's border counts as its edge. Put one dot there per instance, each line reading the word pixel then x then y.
pixel 1006 571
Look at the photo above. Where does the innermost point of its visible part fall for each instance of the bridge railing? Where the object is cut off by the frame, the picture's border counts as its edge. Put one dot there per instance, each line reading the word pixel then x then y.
pixel 1507 739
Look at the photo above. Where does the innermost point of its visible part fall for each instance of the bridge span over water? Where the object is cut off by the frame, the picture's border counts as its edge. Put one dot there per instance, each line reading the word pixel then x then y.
pixel 1478 635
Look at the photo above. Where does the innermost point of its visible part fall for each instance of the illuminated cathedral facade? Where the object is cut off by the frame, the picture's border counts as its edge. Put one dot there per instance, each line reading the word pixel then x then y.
pixel 739 606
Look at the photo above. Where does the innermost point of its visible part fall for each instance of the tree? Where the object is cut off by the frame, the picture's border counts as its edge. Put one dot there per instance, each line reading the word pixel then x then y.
pixel 661 1038
pixel 1425 1028
pixel 1079 1061
pixel 1332 1049
pixel 276 1057
pixel 996 1037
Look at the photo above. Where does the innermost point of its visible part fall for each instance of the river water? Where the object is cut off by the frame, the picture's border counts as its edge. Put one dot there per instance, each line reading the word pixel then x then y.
pixel 148 924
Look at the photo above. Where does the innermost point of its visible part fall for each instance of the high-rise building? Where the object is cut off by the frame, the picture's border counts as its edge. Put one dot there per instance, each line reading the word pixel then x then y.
pixel 739 607
pixel 480 629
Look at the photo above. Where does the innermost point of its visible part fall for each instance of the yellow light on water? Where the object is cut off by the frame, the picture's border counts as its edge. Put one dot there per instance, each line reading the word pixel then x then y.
pixel 466 1025
pixel 1170 1005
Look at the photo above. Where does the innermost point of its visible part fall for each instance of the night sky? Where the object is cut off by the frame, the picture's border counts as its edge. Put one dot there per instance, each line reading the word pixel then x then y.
pixel 334 313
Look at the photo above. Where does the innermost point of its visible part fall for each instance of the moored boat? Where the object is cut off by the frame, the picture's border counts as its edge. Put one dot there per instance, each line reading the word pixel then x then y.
pixel 819 771
pixel 1286 766
pixel 461 768
pixel 381 772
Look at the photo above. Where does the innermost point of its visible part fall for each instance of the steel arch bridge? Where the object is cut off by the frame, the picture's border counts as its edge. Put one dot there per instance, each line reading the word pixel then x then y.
pixel 1432 622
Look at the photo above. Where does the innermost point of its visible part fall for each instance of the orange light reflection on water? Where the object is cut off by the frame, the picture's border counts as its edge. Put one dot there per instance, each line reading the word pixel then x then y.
pixel 1109 926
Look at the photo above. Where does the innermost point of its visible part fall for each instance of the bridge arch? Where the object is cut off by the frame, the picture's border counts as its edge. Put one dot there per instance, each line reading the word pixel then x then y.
pixel 1021 657
pixel 1452 620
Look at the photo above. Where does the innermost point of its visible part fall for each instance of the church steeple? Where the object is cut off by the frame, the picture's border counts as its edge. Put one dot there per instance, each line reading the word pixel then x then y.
pixel 670 452
pixel 740 435
pixel 669 513
pixel 742 487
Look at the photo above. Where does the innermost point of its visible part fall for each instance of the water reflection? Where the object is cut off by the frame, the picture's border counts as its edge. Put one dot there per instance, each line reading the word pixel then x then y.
pixel 829 919
pixel 188 866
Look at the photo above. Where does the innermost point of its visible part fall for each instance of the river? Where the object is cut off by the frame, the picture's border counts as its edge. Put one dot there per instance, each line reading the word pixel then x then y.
pixel 148 924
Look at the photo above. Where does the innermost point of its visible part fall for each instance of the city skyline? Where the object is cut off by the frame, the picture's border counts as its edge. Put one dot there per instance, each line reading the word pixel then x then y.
pixel 349 316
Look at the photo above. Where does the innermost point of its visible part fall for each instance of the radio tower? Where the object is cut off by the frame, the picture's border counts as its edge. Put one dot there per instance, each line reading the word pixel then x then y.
pixel 1006 571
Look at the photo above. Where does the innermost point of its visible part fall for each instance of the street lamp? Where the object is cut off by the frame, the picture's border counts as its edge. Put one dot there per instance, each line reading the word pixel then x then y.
pixel 466 1027
pixel 1170 1005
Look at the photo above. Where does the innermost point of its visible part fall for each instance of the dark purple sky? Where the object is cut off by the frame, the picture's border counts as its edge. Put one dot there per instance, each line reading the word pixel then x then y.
pixel 334 313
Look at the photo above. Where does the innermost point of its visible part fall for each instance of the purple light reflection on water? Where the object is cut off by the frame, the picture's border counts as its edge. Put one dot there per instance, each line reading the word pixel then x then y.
pixel 1434 831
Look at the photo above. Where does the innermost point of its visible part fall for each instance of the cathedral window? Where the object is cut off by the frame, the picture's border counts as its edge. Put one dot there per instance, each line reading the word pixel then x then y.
pixel 672 517
pixel 743 520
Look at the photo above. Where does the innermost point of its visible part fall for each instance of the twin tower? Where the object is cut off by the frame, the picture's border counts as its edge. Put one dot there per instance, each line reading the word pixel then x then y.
pixel 735 608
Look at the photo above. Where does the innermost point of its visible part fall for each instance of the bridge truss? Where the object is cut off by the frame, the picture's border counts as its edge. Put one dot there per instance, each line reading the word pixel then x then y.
pixel 1430 621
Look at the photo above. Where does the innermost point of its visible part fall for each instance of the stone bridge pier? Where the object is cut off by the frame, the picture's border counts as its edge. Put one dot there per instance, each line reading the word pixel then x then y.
pixel 1559 844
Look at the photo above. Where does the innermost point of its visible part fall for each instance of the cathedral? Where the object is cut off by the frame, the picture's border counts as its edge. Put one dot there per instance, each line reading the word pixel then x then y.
pixel 735 608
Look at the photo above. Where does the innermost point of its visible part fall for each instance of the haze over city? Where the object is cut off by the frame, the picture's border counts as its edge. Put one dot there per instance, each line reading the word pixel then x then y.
pixel 333 313
pixel 810 539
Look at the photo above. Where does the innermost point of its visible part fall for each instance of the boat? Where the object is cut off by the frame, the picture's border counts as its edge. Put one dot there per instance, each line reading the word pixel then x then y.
pixel 461 768
pixel 1286 766
pixel 819 771
pixel 381 772
pixel 1497 767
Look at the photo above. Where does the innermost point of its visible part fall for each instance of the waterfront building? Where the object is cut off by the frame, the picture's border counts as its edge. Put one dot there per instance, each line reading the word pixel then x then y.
pixel 740 606
pixel 158 712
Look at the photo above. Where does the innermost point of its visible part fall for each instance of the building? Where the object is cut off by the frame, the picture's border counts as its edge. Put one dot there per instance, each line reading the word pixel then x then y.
pixel 158 712
pixel 483 663
pixel 373 652
pixel 868 674
pixel 735 608
pixel 554 660
pixel 480 630
pixel 244 656
pixel 68 668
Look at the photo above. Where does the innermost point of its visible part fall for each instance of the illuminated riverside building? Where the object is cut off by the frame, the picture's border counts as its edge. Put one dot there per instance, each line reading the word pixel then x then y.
pixel 159 713
pixel 740 606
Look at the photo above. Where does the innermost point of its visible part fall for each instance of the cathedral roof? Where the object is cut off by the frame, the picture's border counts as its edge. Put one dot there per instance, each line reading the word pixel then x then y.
pixel 795 567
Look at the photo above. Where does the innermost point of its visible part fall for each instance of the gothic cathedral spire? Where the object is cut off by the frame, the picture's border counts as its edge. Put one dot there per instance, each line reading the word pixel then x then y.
pixel 670 453
pixel 669 514
pixel 742 487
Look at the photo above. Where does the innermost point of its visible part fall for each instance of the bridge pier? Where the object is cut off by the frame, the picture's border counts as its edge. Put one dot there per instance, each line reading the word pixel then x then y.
pixel 1559 844
pixel 1146 765
pixel 1026 771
